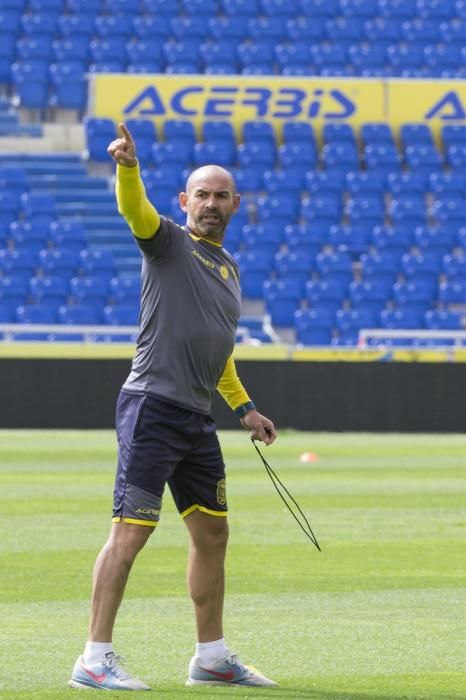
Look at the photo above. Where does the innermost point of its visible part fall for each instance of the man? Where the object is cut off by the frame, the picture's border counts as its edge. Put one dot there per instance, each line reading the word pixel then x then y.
pixel 190 305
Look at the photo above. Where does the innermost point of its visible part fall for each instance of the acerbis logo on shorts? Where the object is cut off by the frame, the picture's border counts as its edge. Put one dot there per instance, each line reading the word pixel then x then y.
pixel 148 511
pixel 221 492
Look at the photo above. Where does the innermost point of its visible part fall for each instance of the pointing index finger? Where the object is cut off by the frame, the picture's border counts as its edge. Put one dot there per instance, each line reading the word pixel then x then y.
pixel 125 132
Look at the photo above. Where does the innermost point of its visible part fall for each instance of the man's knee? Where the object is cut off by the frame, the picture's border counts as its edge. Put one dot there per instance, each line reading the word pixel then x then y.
pixel 210 532
pixel 127 539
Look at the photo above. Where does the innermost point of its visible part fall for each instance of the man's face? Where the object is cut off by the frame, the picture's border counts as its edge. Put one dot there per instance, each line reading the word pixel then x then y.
pixel 209 202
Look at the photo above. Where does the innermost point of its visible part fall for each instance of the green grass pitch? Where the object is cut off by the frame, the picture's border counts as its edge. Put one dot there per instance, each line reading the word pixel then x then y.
pixel 379 614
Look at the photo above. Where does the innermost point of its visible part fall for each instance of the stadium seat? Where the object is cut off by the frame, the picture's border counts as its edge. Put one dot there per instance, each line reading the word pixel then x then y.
pixel 454 266
pixel 406 184
pixel 326 294
pixel 295 267
pixel 345 30
pixel 52 290
pixel 281 298
pixel 309 237
pixel 370 294
pixel 267 27
pixel 353 239
pixel 322 208
pixel 121 315
pixel 314 326
pixel 329 56
pixel 14 262
pixel 280 8
pixel 28 235
pixel 443 320
pixel 437 9
pixel 79 314
pixel 64 261
pixel 36 313
pixel 335 266
pixel 114 26
pixel 423 158
pixel 394 239
pixel 125 290
pixel 305 29
pixel 255 270
pixel 437 240
pixel 30 80
pixel 76 25
pixel 406 209
pixel 39 23
pixel 93 290
pixel 248 8
pixel 350 321
pixel 68 235
pixel 325 183
pixel 340 157
pixel 364 183
pixel 419 294
pixel 382 158
pixel 442 184
pixel 383 266
pixel 14 289
pixel 39 208
pixel 228 28
pixel 423 265
pixel 220 152
pixel 319 8
pixel 10 205
pixel 452 293
pixel 255 153
pixel 99 134
pixel 264 237
pixel 97 262
pixel 406 318
pixel 278 208
pixel 398 8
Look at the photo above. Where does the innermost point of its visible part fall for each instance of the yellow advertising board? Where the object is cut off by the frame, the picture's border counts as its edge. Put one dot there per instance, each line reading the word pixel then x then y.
pixel 274 99
pixel 198 98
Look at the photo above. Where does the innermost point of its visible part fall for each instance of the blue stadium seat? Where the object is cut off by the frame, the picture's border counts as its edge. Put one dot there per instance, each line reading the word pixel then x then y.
pixel 276 208
pixel 296 267
pixel 437 9
pixel 253 154
pixel 229 28
pixel 326 294
pixel 152 28
pixel 314 326
pixel 68 235
pixel 85 7
pixel 108 50
pixel 219 152
pixel 10 205
pixel 350 321
pixel 412 134
pixel 406 184
pixel 335 266
pixel 39 207
pixel 125 290
pixel 382 158
pixel 350 239
pixel 450 211
pixel 383 31
pixel 279 8
pixel 394 239
pixel 50 290
pixel 161 7
pixel 339 133
pixel 340 157
pixel 300 154
pixel 248 179
pixel 405 57
pixel 264 237
pixel 329 56
pixel 145 135
pixel 18 261
pixel 369 294
pixel 219 52
pixel 282 182
pixel 282 299
pixel 183 52
pixel 69 87
pixel 345 29
pixel 248 8
pixel 452 293
pixel 189 27
pixel 398 8
pixel 121 315
pixel 92 289
pixel 113 26
pixel 319 8
pixel 456 156
pixel 405 318
pixel 376 133
pixel 79 314
pixel 298 132
pixel 258 132
pixel 257 53
pixel 266 27
pixel 121 7
pixel 63 262
pixel 199 8
pixel 451 184
pixel 383 266
pixel 311 30
pixel 30 80
pixel 14 289
pixel 320 209
pixel 76 25
pixel 409 208
pixel 36 23
pixel 454 266
pixel 97 262
pixel 365 208
pixel 453 135
pixel 362 183
pixel 420 30
pixel 367 57
pixel 423 158
pixel 304 237
pixel 254 270
pixel 443 60
pixel 36 313
pixel 359 8
pixel 146 51
pixel 6 313
pixel 422 265
pixel 99 134
pixel 437 240
pixel 28 235
pixel 35 47
pixel 418 294
pixel 319 182
pixel 443 320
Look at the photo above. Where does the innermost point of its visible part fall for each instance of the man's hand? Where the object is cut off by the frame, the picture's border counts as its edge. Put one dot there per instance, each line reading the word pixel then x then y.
pixel 123 149
pixel 261 427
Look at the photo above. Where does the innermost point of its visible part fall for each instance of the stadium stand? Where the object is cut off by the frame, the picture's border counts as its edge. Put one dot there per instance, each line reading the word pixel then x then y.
pixel 362 226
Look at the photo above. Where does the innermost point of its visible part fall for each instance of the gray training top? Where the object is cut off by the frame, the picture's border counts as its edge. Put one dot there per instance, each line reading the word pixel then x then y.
pixel 190 306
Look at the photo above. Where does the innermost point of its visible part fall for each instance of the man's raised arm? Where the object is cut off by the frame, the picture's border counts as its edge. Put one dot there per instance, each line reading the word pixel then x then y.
pixel 142 217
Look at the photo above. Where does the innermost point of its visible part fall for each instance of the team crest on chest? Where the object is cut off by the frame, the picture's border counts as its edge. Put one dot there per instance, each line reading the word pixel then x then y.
pixel 224 271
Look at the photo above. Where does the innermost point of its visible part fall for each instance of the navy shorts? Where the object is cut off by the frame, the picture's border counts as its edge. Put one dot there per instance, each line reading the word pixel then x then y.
pixel 159 443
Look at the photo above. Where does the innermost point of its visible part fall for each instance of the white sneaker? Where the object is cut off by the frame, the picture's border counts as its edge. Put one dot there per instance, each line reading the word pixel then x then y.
pixel 228 671
pixel 106 674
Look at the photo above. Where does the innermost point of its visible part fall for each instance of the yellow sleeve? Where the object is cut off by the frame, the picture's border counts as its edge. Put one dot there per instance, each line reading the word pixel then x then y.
pixel 230 387
pixel 142 217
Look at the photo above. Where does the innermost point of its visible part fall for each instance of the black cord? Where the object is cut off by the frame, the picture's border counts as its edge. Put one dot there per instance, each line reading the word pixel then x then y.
pixel 306 528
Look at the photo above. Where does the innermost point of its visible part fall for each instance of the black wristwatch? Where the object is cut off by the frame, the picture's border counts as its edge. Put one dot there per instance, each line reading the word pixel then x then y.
pixel 244 408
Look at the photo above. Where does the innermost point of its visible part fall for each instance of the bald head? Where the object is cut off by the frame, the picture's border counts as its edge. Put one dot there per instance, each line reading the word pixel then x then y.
pixel 209 201
pixel 211 173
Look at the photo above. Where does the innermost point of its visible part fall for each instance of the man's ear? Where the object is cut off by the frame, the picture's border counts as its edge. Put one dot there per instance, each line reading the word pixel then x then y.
pixel 183 200
pixel 236 202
